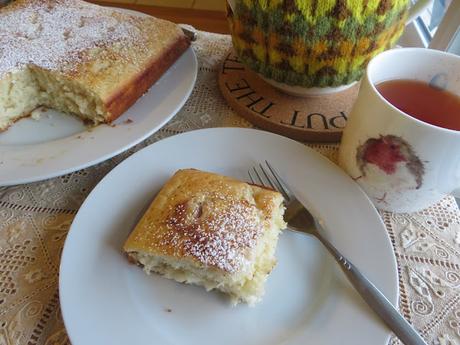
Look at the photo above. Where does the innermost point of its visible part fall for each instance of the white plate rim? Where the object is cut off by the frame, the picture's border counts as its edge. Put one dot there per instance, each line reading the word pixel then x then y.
pixel 392 264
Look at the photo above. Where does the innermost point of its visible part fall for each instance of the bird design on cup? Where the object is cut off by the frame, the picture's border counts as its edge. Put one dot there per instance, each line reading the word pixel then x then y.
pixel 391 161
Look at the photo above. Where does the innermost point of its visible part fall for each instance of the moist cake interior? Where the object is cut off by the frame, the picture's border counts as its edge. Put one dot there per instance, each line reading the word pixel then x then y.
pixel 23 91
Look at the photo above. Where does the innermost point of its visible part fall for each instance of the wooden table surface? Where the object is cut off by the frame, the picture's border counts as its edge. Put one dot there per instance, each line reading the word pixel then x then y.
pixel 212 21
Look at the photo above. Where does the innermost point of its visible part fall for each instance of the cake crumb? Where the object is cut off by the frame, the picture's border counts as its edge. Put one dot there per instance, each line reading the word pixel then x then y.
pixel 128 120
pixel 36 114
pixel 168 310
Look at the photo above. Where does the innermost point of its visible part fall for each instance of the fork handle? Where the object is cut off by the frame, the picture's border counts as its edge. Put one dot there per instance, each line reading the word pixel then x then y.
pixel 375 299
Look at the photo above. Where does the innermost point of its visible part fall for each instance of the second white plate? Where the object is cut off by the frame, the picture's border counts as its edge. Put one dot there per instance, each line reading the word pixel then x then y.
pixel 56 144
pixel 106 300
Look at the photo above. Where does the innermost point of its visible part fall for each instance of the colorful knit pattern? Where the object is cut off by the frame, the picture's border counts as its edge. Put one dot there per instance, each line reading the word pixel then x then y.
pixel 314 43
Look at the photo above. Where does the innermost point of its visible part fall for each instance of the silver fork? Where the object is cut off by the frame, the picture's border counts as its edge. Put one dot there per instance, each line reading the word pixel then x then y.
pixel 301 220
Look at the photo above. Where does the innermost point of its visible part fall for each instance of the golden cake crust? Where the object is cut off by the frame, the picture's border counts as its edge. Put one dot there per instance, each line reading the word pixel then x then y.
pixel 127 94
pixel 212 220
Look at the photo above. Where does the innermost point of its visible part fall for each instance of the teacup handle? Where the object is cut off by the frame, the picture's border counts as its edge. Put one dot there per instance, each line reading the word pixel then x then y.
pixel 414 11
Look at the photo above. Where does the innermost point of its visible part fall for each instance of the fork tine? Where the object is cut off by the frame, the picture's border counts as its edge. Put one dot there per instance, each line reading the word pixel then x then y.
pixel 267 177
pixel 250 177
pixel 281 188
pixel 256 179
pixel 276 185
pixel 261 182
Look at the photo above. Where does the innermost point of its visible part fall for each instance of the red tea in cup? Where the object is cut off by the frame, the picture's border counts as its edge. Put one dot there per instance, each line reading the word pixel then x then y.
pixel 423 101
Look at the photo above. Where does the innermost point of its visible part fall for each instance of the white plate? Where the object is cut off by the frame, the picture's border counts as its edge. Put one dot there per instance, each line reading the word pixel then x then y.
pixel 56 144
pixel 106 300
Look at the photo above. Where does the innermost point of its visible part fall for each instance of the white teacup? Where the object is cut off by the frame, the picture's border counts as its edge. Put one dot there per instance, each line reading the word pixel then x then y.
pixel 428 167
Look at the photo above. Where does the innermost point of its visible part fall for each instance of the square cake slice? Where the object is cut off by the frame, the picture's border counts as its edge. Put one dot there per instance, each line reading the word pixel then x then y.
pixel 210 230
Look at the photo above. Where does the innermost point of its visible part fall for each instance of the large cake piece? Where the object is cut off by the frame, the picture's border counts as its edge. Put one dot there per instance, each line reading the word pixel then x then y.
pixel 80 58
pixel 210 230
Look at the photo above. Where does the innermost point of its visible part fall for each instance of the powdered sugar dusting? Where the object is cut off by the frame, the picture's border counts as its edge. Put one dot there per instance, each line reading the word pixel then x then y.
pixel 53 34
pixel 221 239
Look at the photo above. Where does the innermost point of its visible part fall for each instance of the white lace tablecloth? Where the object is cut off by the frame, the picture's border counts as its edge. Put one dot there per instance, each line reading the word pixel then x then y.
pixel 35 218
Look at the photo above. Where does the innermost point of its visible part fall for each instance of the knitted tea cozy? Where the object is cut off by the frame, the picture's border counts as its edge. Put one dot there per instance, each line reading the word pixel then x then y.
pixel 314 43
